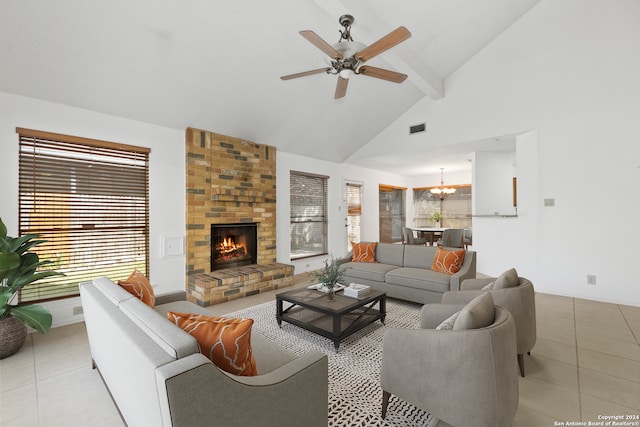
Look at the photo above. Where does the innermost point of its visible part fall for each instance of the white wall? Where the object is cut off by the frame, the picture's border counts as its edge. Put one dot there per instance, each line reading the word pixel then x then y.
pixel 338 175
pixel 566 70
pixel 166 176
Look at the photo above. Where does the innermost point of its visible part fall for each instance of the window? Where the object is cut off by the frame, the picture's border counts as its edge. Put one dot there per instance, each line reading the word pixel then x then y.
pixel 90 200
pixel 392 213
pixel 456 207
pixel 354 212
pixel 308 224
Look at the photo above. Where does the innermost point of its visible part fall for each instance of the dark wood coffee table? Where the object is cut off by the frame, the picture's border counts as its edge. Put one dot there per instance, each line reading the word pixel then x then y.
pixel 336 320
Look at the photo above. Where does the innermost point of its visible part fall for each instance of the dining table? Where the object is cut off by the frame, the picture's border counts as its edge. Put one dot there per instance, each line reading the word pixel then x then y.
pixel 431 233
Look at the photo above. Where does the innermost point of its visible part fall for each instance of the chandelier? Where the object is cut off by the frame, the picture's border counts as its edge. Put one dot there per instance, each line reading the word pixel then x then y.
pixel 442 191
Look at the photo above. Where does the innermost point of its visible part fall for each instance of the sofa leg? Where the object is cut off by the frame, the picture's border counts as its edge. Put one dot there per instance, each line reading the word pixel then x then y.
pixel 521 364
pixel 385 402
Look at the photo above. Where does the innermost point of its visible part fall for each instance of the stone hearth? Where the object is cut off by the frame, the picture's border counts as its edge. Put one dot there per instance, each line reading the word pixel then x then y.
pixel 230 180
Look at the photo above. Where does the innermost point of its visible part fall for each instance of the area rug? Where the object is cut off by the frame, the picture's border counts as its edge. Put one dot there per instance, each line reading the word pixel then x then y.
pixel 355 396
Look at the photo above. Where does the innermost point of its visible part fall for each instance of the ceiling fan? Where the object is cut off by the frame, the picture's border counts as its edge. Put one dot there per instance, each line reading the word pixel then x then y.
pixel 348 57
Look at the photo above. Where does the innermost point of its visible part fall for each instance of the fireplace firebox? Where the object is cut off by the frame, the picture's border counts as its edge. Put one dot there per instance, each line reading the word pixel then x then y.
pixel 233 245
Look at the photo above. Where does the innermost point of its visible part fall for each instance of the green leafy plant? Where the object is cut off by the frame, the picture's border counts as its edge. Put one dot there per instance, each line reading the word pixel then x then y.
pixel 436 216
pixel 19 268
pixel 331 274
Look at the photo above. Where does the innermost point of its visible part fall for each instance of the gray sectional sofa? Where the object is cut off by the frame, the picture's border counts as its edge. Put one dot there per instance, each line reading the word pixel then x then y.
pixel 404 272
pixel 157 376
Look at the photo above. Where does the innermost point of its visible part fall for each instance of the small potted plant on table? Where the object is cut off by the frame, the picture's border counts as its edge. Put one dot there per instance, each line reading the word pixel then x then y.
pixel 330 275
pixel 437 218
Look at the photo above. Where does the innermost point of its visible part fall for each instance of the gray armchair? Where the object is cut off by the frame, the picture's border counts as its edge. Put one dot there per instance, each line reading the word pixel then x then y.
pixel 463 377
pixel 519 300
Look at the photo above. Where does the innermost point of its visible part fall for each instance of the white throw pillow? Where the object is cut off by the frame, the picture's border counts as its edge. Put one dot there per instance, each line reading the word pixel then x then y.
pixel 447 324
pixel 489 286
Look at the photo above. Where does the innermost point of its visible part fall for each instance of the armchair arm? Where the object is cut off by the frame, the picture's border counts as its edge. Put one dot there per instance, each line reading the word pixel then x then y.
pixel 467 271
pixel 193 392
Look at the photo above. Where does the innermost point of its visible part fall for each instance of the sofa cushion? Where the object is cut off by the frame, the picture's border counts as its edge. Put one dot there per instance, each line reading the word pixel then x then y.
pixel 389 253
pixel 364 251
pixel 478 313
pixel 225 341
pixel 508 279
pixel 419 278
pixel 367 271
pixel 419 256
pixel 448 261
pixel 138 286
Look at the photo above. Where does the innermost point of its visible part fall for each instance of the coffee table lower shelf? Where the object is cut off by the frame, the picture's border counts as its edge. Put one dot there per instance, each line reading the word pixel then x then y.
pixel 336 320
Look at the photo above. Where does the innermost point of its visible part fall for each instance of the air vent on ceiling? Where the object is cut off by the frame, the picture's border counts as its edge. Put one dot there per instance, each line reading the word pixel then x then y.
pixel 417 128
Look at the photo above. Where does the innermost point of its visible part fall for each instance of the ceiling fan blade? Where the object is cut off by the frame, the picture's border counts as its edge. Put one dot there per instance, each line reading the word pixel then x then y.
pixel 305 73
pixel 395 37
pixel 380 73
pixel 341 88
pixel 321 44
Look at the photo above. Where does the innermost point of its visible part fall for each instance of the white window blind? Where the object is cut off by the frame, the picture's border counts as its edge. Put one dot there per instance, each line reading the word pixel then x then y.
pixel 308 223
pixel 90 200
pixel 354 213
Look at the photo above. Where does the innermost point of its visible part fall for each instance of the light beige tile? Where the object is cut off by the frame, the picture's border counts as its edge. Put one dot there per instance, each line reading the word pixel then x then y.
pixel 615 320
pixel 60 340
pixel 552 371
pixel 19 407
pixel 67 397
pixel 592 407
pixel 607 387
pixel 527 417
pixel 606 345
pixel 595 306
pixel 622 333
pixel 556 331
pixel 561 352
pixel 550 300
pixel 608 364
pixel 19 375
pixel 552 313
pixel 61 363
pixel 556 401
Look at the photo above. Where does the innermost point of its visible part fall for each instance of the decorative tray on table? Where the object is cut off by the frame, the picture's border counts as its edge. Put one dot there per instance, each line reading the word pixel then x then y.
pixel 322 288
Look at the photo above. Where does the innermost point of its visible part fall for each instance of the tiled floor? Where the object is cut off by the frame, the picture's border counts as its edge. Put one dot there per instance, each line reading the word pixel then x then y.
pixel 586 363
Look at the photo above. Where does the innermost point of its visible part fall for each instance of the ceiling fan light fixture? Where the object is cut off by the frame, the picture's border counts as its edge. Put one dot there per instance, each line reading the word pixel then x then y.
pixel 346 73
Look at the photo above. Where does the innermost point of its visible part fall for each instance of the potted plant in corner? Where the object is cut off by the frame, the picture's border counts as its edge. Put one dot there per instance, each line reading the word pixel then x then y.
pixel 437 218
pixel 330 275
pixel 19 268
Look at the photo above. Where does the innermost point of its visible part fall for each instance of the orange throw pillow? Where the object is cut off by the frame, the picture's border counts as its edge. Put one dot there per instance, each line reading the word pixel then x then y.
pixel 448 262
pixel 364 252
pixel 138 286
pixel 225 341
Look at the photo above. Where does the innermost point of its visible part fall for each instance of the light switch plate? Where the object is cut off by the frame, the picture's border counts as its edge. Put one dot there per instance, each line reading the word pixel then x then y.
pixel 172 246
pixel 548 203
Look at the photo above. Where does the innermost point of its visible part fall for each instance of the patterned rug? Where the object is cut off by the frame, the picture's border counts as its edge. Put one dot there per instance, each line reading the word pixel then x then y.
pixel 355 395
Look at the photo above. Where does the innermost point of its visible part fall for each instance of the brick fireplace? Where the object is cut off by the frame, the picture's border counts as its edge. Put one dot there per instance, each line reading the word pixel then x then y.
pixel 230 181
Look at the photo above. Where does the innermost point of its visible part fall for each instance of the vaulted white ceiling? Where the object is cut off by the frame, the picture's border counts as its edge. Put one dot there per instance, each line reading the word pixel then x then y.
pixel 215 64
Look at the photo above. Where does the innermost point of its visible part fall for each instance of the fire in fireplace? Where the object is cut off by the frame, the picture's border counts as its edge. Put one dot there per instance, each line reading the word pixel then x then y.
pixel 233 245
